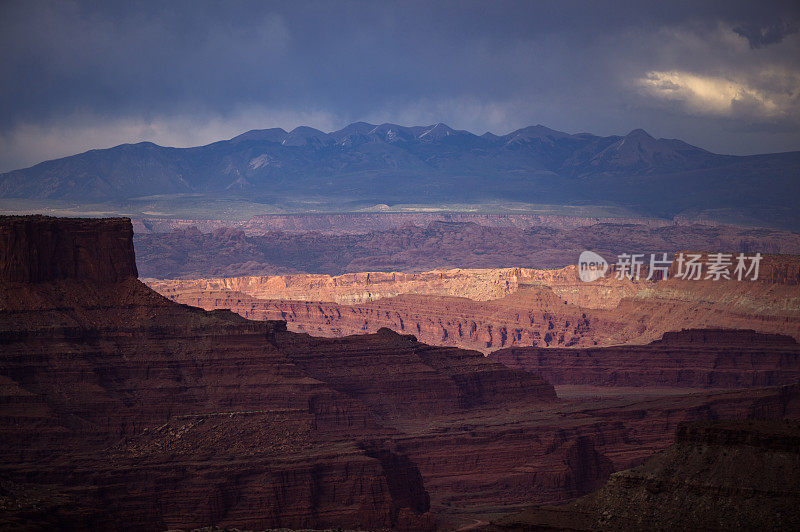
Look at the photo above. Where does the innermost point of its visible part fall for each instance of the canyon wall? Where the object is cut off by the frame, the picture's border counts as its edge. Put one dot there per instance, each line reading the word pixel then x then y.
pixel 120 409
pixel 354 288
pixel 717 476
pixel 494 309
pixel 38 249
pixel 696 358
pixel 528 317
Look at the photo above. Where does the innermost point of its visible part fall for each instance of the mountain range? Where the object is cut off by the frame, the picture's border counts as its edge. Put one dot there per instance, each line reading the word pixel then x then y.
pixel 389 163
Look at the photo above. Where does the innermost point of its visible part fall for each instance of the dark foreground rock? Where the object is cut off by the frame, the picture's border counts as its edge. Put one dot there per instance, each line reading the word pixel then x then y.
pixel 717 476
pixel 122 410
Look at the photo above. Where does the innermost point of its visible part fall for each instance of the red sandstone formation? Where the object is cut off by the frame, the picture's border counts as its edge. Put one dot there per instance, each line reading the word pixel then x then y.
pixel 499 460
pixel 411 380
pixel 529 317
pixel 39 249
pixel 769 305
pixel 356 288
pixel 121 409
pixel 544 308
pixel 717 476
pixel 698 358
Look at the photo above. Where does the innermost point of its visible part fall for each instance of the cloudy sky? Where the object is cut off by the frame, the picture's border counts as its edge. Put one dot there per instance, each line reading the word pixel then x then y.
pixel 82 75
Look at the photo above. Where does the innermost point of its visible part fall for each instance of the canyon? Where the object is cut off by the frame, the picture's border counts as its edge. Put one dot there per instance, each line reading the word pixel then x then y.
pixel 754 485
pixel 122 409
pixel 490 309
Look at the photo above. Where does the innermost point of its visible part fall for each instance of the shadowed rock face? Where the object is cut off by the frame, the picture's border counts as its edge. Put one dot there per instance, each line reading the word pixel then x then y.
pixel 121 409
pixel 38 249
pixel 717 476
pixel 701 358
pixel 725 337
pixel 411 380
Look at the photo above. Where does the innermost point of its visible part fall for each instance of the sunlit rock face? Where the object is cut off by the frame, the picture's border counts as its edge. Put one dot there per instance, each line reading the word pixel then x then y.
pixel 490 309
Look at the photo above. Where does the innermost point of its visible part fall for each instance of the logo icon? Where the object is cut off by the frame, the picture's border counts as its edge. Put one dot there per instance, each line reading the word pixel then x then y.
pixel 591 266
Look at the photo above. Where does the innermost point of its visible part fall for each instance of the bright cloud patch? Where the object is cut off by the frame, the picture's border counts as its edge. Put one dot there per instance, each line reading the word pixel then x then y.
pixel 709 95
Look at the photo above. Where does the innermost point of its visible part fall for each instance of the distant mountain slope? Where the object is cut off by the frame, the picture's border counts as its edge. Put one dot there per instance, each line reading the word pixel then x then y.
pixel 389 163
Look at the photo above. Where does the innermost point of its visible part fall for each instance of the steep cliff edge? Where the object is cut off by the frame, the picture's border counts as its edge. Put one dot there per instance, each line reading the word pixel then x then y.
pixel 717 476
pixel 120 409
pixel 37 249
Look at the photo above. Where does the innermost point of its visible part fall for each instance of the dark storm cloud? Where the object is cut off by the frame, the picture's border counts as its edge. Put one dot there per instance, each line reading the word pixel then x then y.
pixel 77 75
pixel 760 36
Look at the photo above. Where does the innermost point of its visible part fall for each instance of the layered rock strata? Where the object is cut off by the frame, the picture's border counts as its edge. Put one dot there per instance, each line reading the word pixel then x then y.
pixel 229 252
pixel 120 409
pixel 717 476
pixel 692 358
pixel 493 309
pixel 357 288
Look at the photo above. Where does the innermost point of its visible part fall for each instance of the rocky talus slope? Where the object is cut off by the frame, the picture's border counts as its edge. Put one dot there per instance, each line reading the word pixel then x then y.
pixel 717 476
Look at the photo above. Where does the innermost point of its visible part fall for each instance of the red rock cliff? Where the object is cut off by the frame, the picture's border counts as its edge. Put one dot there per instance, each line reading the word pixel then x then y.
pixel 40 248
pixel 702 358
pixel 122 410
pixel 742 475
